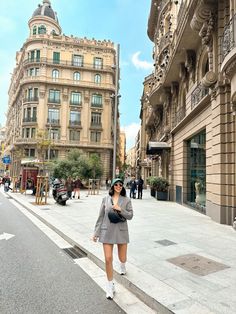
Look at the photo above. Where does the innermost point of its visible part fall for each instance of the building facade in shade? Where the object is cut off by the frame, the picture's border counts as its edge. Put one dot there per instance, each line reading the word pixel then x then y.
pixel 190 104
pixel 122 148
pixel 2 140
pixel 60 95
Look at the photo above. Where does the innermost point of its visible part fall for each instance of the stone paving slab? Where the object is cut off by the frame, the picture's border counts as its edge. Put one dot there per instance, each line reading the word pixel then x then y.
pixel 162 285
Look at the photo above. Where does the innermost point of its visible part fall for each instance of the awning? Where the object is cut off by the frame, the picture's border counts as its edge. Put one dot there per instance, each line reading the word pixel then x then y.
pixel 155 148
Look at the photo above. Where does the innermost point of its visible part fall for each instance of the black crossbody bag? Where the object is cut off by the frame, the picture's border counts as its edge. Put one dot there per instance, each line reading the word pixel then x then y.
pixel 114 216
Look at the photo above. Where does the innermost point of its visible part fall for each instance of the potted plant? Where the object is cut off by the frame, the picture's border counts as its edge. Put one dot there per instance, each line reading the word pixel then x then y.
pixel 162 186
pixel 152 183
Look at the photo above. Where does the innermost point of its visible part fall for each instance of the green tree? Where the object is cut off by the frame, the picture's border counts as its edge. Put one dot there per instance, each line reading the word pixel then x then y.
pixel 78 165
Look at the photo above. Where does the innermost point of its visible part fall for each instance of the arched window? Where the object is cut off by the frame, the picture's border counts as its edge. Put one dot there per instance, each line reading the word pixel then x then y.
pixel 97 78
pixel 76 76
pixel 42 29
pixel 34 30
pixel 55 74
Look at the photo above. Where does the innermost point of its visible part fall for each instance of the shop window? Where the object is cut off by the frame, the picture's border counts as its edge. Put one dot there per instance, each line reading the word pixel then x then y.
pixel 196 156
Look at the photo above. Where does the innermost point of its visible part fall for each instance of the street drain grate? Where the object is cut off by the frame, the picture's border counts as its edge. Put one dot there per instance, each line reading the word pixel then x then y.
pixel 74 252
pixel 165 242
pixel 197 264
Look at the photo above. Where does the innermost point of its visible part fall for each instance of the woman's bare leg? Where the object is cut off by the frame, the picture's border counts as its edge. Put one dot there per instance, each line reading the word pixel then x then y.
pixel 108 253
pixel 122 252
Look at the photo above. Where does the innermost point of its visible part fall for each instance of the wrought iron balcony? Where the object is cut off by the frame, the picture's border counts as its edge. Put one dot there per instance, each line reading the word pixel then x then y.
pixel 75 123
pixel 96 125
pixel 54 100
pixel 75 103
pixel 53 121
pixel 228 38
pixel 31 99
pixel 180 114
pixel 30 119
pixel 198 94
pixel 93 104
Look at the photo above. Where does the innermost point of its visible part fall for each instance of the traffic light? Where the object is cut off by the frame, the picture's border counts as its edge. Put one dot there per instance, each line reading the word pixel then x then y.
pixel 7 167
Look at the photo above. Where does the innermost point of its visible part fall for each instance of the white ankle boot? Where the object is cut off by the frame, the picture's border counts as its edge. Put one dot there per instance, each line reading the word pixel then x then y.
pixel 122 269
pixel 110 290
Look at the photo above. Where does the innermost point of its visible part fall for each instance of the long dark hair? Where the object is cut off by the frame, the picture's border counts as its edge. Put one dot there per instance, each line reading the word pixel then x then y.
pixel 122 192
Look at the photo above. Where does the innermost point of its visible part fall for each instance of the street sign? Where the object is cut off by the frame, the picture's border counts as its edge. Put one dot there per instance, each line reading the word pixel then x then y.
pixel 6 159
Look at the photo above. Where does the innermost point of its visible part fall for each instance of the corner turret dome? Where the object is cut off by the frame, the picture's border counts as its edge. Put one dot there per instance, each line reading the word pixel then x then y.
pixel 45 9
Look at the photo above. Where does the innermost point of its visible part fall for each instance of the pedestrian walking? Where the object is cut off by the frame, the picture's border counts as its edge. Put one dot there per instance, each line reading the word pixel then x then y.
pixel 110 233
pixel 133 188
pixel 77 186
pixel 69 187
pixel 140 188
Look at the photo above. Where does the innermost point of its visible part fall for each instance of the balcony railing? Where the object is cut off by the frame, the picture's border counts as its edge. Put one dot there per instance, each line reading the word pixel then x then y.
pixel 63 81
pixel 70 63
pixel 54 100
pixel 75 103
pixel 96 125
pixel 74 123
pixel 30 99
pixel 30 119
pixel 198 94
pixel 180 114
pixel 96 105
pixel 228 38
pixel 53 121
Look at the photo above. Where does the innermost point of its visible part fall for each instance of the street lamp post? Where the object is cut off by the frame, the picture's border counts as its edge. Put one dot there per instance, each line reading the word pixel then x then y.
pixel 116 96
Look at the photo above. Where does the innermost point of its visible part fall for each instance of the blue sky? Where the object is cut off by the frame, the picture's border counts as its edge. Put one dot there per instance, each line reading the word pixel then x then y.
pixel 121 21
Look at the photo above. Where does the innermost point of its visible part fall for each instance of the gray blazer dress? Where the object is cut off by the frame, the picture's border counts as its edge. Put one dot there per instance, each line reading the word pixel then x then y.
pixel 109 232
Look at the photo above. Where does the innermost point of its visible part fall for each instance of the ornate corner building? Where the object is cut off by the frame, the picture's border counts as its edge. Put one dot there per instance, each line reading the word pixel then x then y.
pixel 61 95
pixel 189 103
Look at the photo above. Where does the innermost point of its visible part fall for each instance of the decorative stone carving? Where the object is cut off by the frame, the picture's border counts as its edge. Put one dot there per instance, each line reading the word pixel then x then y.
pixel 207 30
pixel 201 14
pixel 209 79
pixel 65 97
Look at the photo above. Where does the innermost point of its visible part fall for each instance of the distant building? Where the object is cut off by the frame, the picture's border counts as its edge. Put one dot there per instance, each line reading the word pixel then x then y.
pixel 60 94
pixel 2 140
pixel 131 161
pixel 122 147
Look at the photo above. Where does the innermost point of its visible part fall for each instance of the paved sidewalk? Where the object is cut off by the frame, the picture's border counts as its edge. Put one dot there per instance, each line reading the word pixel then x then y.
pixel 179 261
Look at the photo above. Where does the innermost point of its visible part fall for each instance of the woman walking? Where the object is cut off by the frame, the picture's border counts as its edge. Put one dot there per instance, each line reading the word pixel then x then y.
pixel 110 233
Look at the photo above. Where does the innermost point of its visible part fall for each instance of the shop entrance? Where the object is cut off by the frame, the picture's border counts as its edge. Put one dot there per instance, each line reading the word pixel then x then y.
pixel 196 181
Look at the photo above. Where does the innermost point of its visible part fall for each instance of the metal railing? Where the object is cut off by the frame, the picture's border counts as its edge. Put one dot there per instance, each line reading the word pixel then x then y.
pixel 228 38
pixel 53 121
pixel 198 94
pixel 30 119
pixel 68 63
pixel 54 100
pixel 74 123
pixel 29 99
pixel 180 114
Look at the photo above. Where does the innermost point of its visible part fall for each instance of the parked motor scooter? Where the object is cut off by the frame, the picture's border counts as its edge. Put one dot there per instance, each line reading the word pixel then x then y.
pixel 59 192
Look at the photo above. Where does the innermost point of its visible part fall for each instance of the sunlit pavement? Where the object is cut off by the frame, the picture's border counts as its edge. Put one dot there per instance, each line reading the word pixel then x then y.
pixel 179 260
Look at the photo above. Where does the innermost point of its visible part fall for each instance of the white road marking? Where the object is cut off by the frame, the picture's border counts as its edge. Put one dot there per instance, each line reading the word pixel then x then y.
pixel 6 236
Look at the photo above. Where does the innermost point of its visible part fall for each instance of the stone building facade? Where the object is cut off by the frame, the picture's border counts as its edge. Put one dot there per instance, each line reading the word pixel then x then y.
pixel 60 95
pixel 190 103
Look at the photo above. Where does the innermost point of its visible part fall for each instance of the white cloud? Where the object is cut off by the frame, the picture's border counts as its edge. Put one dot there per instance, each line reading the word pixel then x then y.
pixel 131 132
pixel 141 64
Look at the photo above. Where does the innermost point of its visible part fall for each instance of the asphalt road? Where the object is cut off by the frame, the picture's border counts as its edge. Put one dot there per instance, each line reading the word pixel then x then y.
pixel 37 277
